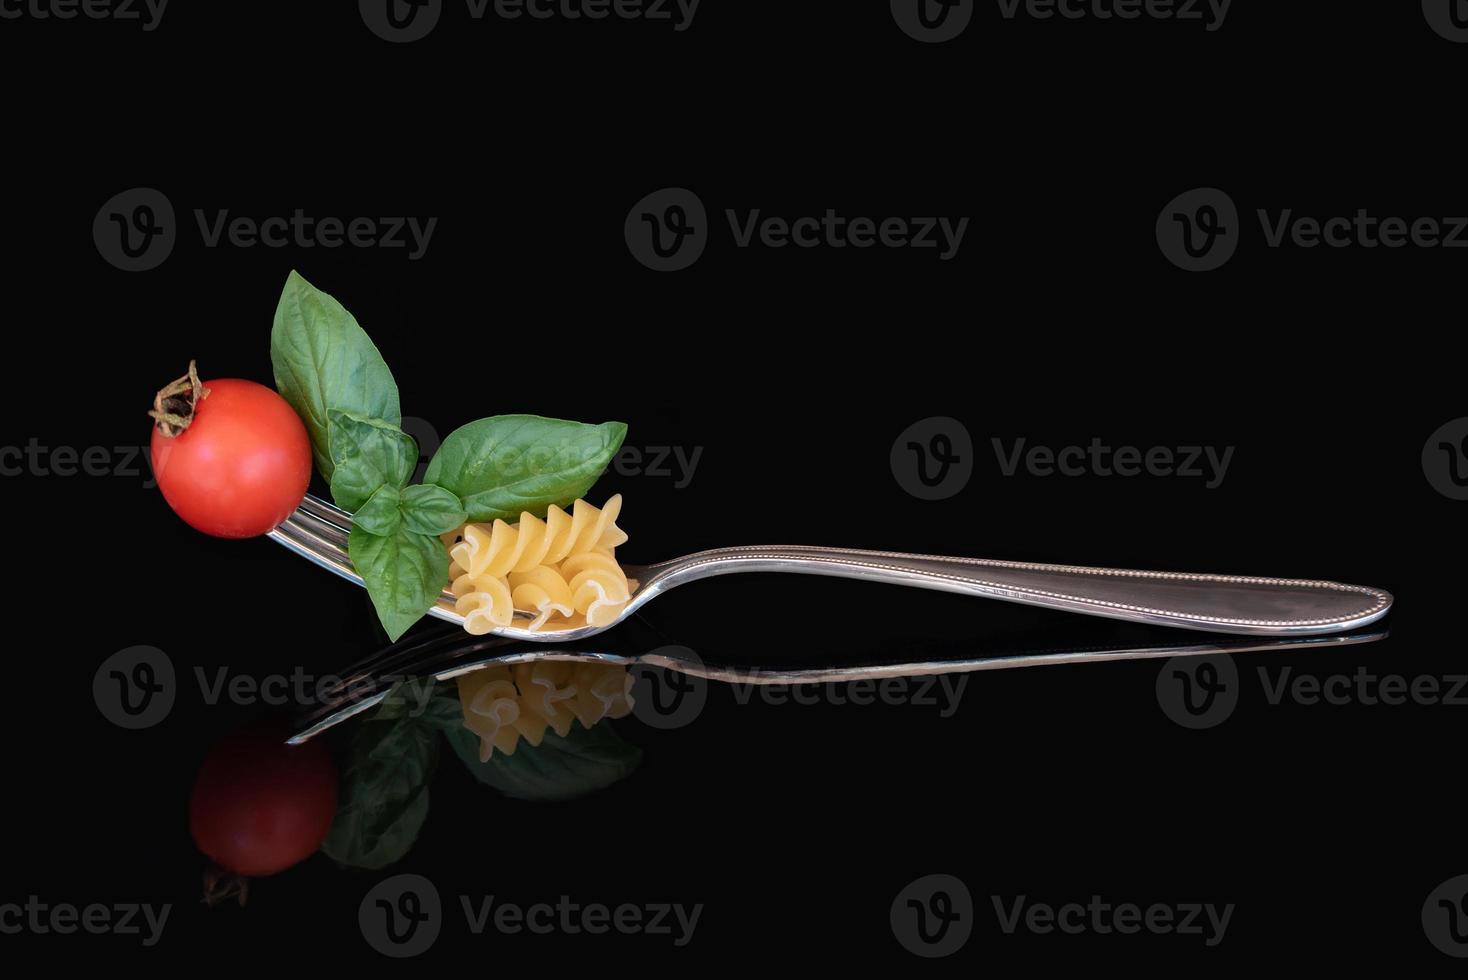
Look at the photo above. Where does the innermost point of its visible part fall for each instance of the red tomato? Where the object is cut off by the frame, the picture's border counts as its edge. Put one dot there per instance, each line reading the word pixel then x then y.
pixel 241 466
pixel 260 806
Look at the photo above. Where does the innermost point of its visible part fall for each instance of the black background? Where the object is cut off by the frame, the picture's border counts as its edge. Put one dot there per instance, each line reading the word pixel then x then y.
pixel 793 370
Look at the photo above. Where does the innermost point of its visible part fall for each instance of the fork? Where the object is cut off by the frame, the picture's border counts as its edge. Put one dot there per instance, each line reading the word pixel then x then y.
pixel 1214 603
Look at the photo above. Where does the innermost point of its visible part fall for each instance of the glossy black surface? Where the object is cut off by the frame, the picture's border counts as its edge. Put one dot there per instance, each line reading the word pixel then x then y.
pixel 793 372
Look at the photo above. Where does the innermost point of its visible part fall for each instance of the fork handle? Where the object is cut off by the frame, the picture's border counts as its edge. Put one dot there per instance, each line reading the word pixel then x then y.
pixel 1216 603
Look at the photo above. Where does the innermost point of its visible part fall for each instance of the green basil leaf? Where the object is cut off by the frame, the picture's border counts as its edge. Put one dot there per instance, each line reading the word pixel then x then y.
pixel 367 454
pixel 404 573
pixel 585 761
pixel 433 702
pixel 430 509
pixel 323 360
pixel 382 513
pixel 384 797
pixel 503 465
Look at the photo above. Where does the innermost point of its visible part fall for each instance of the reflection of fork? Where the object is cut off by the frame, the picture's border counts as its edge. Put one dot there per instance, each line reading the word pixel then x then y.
pixel 453 653
pixel 1215 603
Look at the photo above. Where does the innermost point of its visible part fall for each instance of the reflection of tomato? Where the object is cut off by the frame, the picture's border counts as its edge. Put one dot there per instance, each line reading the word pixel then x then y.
pixel 241 466
pixel 259 805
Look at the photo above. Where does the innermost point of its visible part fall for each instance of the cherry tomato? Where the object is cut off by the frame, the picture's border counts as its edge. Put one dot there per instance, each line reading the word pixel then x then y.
pixel 260 806
pixel 241 466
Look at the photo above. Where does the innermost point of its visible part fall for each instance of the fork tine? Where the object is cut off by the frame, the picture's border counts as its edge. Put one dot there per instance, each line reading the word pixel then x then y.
pixel 320 509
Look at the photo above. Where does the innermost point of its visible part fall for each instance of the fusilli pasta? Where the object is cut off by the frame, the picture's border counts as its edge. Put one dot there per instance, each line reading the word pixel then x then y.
pixel 563 569
pixel 505 704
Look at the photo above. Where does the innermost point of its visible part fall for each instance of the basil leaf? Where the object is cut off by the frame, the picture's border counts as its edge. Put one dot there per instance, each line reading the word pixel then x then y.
pixel 323 360
pixel 367 453
pixel 382 513
pixel 384 798
pixel 404 573
pixel 435 702
pixel 430 509
pixel 503 465
pixel 585 761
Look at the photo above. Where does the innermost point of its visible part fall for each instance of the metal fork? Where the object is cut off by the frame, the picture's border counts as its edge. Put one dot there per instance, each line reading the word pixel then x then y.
pixel 444 656
pixel 1215 603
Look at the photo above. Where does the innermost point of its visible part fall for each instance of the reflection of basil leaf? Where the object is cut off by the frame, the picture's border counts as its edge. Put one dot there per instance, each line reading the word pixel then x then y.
pixel 404 573
pixel 382 513
pixel 323 360
pixel 585 761
pixel 437 703
pixel 367 453
pixel 429 509
pixel 384 792
pixel 503 465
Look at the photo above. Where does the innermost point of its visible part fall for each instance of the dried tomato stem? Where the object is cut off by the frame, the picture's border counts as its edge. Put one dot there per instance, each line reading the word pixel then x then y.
pixel 221 886
pixel 173 406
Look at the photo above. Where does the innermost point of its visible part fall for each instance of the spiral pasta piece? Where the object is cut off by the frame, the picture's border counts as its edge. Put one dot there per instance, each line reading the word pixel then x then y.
pixel 562 569
pixel 502 705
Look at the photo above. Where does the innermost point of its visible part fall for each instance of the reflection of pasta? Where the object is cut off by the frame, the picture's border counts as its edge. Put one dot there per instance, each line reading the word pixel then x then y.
pixel 562 568
pixel 502 704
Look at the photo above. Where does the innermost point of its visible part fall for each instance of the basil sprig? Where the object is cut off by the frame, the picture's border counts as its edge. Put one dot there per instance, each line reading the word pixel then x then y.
pixel 393 753
pixel 329 370
pixel 323 360
pixel 503 465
